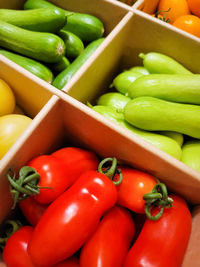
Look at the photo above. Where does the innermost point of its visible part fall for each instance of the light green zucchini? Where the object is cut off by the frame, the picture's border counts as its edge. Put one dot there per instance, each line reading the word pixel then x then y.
pixel 41 20
pixel 153 114
pixel 61 65
pixel 42 46
pixel 115 100
pixel 31 65
pixel 162 142
pixel 159 63
pixel 182 88
pixel 191 154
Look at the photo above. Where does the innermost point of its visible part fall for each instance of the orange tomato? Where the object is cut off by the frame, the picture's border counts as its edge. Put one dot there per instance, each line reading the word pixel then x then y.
pixel 188 23
pixel 194 6
pixel 176 8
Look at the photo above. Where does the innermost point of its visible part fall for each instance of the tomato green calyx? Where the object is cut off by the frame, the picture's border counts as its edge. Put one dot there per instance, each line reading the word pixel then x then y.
pixel 110 171
pixel 9 228
pixel 24 186
pixel 164 16
pixel 158 197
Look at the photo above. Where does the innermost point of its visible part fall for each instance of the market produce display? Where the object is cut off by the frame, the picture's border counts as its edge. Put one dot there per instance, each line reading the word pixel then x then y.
pixel 158 101
pixel 97 209
pixel 183 14
pixel 44 39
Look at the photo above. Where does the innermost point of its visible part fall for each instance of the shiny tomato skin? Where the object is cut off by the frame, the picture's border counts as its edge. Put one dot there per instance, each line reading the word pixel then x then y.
pixel 109 244
pixel 15 252
pixel 134 185
pixel 77 161
pixel 53 174
pixel 162 243
pixel 32 210
pixel 71 218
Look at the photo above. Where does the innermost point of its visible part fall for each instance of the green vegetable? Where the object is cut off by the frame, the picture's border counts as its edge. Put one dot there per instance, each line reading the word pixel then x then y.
pixel 180 88
pixel 123 81
pixel 61 65
pixel 178 137
pixel 191 154
pixel 153 114
pixel 31 65
pixel 115 100
pixel 162 142
pixel 74 45
pixel 41 20
pixel 85 26
pixel 42 46
pixel 139 69
pixel 62 78
pixel 159 63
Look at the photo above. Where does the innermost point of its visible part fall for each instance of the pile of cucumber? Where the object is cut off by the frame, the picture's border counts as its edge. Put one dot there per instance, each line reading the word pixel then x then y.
pixel 50 42
pixel 159 101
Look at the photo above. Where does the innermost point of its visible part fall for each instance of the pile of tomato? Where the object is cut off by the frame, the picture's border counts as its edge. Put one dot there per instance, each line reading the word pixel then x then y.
pixel 183 14
pixel 81 211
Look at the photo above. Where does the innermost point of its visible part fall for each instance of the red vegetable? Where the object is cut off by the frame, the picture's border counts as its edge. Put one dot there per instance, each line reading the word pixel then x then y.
pixel 15 251
pixel 110 242
pixel 70 262
pixel 71 218
pixel 134 185
pixel 32 210
pixel 162 243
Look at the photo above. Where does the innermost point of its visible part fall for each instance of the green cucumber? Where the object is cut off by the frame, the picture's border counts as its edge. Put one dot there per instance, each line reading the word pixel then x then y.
pixel 115 100
pixel 62 78
pixel 182 88
pixel 42 46
pixel 41 20
pixel 74 45
pixel 164 143
pixel 191 154
pixel 123 81
pixel 85 26
pixel 31 65
pixel 153 114
pixel 61 65
pixel 159 63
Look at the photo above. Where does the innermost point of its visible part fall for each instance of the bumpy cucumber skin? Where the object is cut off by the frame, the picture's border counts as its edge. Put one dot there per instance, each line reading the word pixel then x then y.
pixel 178 137
pixel 159 63
pixel 61 65
pixel 191 154
pixel 41 20
pixel 123 81
pixel 62 78
pixel 74 45
pixel 42 46
pixel 179 88
pixel 153 114
pixel 31 65
pixel 85 26
pixel 140 69
pixel 115 100
pixel 162 142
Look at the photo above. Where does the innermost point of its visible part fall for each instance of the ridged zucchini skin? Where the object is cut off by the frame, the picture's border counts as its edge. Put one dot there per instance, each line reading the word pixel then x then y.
pixel 62 78
pixel 74 45
pixel 42 46
pixel 41 20
pixel 87 27
pixel 31 65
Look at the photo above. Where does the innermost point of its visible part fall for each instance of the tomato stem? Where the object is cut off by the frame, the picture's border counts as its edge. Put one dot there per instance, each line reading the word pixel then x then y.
pixel 158 197
pixel 10 227
pixel 110 171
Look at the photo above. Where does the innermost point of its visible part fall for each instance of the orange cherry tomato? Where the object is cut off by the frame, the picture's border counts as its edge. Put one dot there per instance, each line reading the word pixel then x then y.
pixel 188 23
pixel 194 6
pixel 176 8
